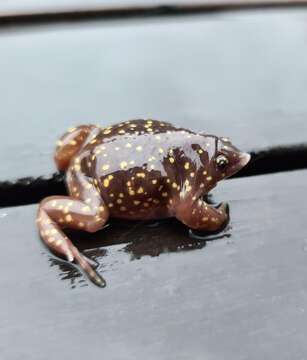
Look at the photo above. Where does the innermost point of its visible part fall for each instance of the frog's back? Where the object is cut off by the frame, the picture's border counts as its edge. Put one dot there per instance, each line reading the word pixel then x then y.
pixel 134 163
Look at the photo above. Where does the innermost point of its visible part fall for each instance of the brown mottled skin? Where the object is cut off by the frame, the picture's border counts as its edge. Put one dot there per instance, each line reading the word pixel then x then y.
pixel 139 169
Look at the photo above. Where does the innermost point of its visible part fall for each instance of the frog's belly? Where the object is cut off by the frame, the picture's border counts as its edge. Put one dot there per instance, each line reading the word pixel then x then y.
pixel 141 213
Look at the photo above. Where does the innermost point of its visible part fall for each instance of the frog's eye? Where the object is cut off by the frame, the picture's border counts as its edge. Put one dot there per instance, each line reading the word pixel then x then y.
pixel 221 161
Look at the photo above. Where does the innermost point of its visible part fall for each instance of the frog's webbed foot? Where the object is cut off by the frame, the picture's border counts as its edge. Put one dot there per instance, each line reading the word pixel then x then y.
pixel 199 215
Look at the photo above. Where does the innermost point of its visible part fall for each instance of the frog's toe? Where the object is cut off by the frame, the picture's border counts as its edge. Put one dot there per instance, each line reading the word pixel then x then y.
pixel 223 207
pixel 91 273
pixel 99 281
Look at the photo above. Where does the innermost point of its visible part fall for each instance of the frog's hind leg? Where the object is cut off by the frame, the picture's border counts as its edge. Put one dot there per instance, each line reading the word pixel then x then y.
pixel 71 142
pixel 87 213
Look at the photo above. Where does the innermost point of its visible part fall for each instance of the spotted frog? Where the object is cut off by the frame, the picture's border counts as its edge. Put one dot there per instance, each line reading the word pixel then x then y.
pixel 139 169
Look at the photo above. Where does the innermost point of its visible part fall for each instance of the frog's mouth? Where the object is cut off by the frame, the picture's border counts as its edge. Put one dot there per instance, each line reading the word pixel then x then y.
pixel 221 210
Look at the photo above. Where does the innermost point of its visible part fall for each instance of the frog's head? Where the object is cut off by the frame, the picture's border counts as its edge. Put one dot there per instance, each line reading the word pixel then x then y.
pixel 228 159
pixel 221 160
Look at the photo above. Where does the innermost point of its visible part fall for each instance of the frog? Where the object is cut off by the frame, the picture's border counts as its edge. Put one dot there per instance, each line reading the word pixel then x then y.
pixel 135 170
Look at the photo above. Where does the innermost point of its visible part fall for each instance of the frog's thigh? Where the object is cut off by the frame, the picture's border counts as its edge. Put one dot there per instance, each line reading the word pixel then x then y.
pixel 88 211
pixel 200 216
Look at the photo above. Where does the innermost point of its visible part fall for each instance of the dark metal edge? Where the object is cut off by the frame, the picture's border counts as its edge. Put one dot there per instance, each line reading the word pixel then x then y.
pixel 113 13
pixel 31 190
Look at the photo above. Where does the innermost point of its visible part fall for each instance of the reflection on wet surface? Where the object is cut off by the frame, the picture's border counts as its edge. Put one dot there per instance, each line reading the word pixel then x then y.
pixel 68 272
pixel 137 238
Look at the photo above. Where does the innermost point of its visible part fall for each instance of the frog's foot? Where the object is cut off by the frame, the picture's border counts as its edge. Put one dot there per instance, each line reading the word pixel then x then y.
pixel 60 244
pixel 201 216
pixel 88 269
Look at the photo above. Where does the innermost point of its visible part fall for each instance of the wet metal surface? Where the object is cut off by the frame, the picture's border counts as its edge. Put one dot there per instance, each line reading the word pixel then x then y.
pixel 220 74
pixel 136 239
pixel 247 292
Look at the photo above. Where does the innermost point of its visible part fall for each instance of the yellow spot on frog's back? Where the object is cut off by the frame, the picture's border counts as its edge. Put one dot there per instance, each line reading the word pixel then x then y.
pixel 140 175
pixel 209 178
pixel 136 202
pixel 205 219
pixel 171 160
pixel 106 132
pixel 122 131
pixel 119 201
pixel 200 151
pixel 68 218
pixel 140 190
pixel 123 164
pixel 187 165
pixel 122 208
pixel 105 167
pixel 164 194
pixel 161 151
pixel 154 181
pixel 121 195
pixel 131 192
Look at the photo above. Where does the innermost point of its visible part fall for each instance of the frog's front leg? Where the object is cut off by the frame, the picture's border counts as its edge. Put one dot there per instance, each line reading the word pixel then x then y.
pixel 87 212
pixel 198 215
